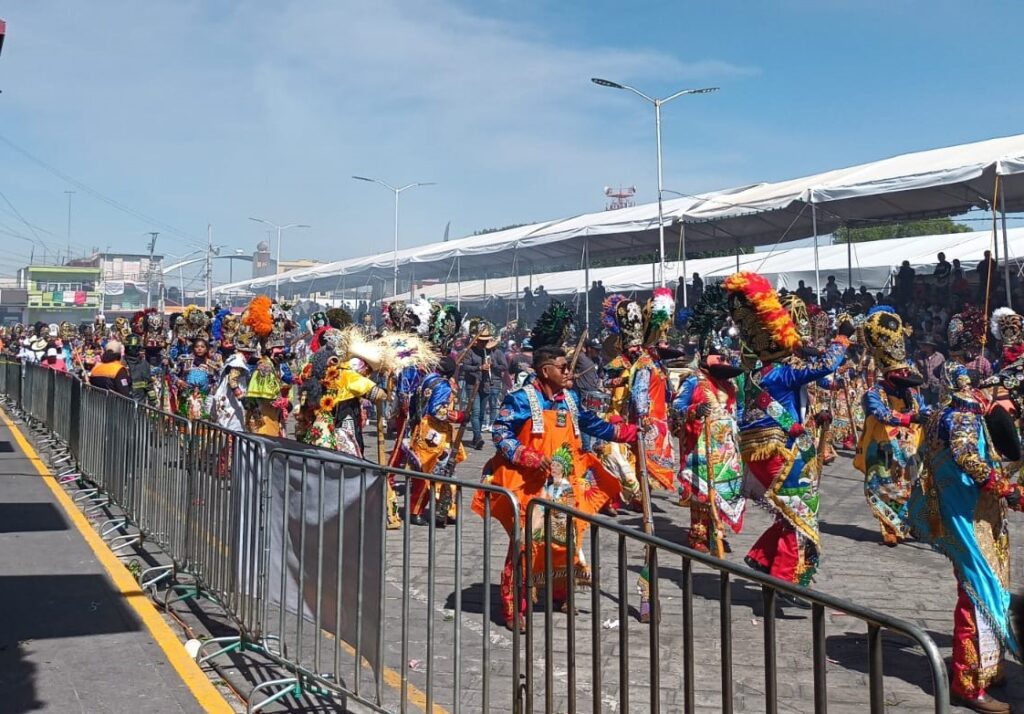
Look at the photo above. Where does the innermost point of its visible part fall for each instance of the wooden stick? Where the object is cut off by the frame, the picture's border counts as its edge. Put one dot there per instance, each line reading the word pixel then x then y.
pixel 719 542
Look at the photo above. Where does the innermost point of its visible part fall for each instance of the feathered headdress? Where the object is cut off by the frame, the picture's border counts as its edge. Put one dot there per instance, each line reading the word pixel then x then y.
pixel 608 318
pixel 417 316
pixel 339 318
pixel 445 321
pixel 259 316
pixel 410 350
pixel 377 353
pixel 708 316
pixel 966 330
pixel 884 336
pixel 658 313
pixel 552 328
pixel 765 325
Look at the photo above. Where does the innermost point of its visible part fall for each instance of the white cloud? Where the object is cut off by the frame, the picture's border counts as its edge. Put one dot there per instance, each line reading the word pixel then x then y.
pixel 204 111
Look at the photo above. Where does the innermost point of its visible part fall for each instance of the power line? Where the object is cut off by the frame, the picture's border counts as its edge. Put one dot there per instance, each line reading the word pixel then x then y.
pixel 113 203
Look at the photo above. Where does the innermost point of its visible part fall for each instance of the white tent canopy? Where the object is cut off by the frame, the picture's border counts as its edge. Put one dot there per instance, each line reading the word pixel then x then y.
pixel 938 182
pixel 873 265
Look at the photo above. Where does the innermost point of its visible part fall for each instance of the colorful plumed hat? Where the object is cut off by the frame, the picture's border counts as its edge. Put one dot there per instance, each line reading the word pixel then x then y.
pixel 821 324
pixel 659 313
pixel 409 350
pixel 395 315
pixel 629 321
pixel 766 328
pixel 258 316
pixel 445 321
pixel 554 326
pixel 217 326
pixel 885 337
pixel 608 313
pixel 417 316
pixel 1007 326
pixel 800 315
pixel 966 330
pixel 707 318
pixel 317 321
pixel 338 317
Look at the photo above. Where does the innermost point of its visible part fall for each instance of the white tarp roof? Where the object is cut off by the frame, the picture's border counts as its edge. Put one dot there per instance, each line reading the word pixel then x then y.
pixel 872 265
pixel 943 181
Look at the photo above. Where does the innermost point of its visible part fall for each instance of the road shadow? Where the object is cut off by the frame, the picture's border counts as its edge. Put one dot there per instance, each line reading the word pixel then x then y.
pixel 31 518
pixel 41 607
pixel 850 531
pixel 473 599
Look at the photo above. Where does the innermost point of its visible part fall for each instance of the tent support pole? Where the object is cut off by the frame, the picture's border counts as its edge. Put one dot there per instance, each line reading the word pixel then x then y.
pixel 849 260
pixel 817 274
pixel 654 279
pixel 458 278
pixel 586 279
pixel 1006 247
pixel 682 258
pixel 515 271
pixel 737 256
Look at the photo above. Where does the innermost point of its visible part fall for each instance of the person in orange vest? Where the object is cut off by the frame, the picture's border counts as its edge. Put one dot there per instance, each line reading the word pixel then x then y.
pixel 110 373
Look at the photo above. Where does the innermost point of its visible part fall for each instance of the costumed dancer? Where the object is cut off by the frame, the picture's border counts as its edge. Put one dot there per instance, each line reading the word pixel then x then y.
pixel 413 318
pixel 264 412
pixel 540 455
pixel 433 446
pixel 887 454
pixel 618 458
pixel 959 508
pixel 779 454
pixel 711 472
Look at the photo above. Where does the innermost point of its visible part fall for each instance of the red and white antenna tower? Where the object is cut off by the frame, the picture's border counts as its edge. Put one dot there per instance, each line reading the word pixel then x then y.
pixel 619 198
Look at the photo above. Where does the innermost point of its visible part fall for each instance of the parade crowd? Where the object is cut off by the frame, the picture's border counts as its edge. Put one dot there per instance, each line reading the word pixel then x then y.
pixel 745 397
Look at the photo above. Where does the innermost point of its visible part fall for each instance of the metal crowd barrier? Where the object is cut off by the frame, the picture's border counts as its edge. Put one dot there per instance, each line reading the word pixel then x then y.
pixel 264 528
pixel 684 684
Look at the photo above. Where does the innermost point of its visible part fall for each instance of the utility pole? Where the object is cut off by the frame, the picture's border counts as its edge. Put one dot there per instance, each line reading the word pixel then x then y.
pixel 69 193
pixel 149 272
pixel 209 265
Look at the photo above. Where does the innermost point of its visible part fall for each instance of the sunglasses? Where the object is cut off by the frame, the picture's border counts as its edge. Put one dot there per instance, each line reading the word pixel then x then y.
pixel 563 367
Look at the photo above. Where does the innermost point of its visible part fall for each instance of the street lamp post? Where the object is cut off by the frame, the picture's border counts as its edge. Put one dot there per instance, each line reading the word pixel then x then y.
pixel 277 266
pixel 657 126
pixel 397 191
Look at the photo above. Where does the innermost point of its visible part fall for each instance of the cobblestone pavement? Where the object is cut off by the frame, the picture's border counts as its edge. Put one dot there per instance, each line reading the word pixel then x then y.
pixel 909 582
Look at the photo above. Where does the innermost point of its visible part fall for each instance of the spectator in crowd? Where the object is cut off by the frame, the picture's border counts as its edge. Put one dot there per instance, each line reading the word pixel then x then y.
pixel 521 364
pixel 986 270
pixel 905 284
pixel 496 389
pixel 109 373
pixel 942 271
pixel 864 298
pixel 528 303
pixel 696 289
pixel 804 293
pixel 849 295
pixel 477 368
pixel 930 364
pixel 979 365
pixel 831 291
pixel 681 292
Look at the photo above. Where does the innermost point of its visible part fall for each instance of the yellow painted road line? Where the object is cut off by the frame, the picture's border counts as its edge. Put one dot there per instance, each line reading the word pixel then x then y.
pixel 194 677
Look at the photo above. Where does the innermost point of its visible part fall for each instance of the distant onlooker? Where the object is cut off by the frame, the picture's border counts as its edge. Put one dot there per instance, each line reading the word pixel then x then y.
pixel 831 290
pixel 865 298
pixel 905 283
pixel 804 293
pixel 986 269
pixel 696 289
pixel 930 363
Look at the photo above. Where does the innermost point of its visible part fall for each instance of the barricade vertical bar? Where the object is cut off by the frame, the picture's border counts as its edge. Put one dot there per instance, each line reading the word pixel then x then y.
pixel 771 703
pixel 595 618
pixel 406 573
pixel 623 626
pixel 655 633
pixel 431 546
pixel 337 584
pixel 549 606
pixel 486 651
pixel 875 668
pixel 570 610
pixel 528 616
pixel 457 633
pixel 818 627
pixel 320 562
pixel 361 560
pixel 725 613
pixel 301 588
pixel 689 683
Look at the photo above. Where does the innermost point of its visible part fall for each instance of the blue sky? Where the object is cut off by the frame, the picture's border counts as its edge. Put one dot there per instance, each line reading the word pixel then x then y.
pixel 209 111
